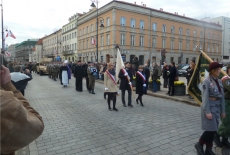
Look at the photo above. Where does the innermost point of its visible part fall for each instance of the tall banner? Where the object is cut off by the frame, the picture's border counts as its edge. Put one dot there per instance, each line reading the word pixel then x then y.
pixel 200 73
pixel 119 64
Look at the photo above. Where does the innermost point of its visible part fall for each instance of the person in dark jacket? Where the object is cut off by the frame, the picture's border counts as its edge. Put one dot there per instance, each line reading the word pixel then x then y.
pixel 125 84
pixel 19 79
pixel 147 74
pixel 85 75
pixel 165 77
pixel 135 62
pixel 172 76
pixel 141 88
pixel 155 77
pixel 78 74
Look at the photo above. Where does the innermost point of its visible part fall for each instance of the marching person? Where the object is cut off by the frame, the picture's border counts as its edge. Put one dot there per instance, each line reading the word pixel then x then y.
pixel 165 76
pixel 141 87
pixel 86 75
pixel 55 71
pixel 124 75
pixel 224 128
pixel 110 85
pixel 78 74
pixel 19 79
pixel 64 74
pixel 92 73
pixel 213 106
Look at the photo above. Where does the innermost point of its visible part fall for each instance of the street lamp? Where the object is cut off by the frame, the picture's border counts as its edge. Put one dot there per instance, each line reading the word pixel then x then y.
pixel 93 5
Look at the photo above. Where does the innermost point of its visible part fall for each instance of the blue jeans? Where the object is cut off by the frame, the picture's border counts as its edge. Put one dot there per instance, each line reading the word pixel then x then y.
pixel 154 85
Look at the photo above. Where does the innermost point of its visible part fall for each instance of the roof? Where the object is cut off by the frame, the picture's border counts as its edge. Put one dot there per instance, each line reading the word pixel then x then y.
pixel 51 34
pixel 30 41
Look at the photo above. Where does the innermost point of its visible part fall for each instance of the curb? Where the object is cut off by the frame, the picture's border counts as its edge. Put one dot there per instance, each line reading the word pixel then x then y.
pixel 193 103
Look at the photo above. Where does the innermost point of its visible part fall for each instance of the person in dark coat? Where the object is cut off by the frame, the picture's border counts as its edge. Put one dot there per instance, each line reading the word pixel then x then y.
pixel 172 76
pixel 125 84
pixel 135 62
pixel 78 74
pixel 155 77
pixel 140 84
pixel 147 74
pixel 165 76
pixel 212 108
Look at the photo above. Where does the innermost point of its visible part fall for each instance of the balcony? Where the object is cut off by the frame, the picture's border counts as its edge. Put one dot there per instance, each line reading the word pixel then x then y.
pixel 49 55
pixel 69 52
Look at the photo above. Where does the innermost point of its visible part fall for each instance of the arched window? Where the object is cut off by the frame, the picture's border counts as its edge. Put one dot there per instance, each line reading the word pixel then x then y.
pixel 180 31
pixel 164 28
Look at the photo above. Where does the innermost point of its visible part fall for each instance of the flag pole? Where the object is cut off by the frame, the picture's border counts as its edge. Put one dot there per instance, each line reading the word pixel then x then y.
pixel 3 40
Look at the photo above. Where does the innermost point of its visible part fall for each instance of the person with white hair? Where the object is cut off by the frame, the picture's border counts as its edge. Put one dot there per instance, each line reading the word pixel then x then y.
pixel 64 74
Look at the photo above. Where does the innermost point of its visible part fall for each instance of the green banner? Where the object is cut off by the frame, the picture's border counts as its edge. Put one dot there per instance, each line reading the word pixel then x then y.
pixel 199 74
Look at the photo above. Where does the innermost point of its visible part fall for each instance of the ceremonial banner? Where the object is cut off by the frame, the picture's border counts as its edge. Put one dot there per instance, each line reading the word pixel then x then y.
pixel 119 64
pixel 199 74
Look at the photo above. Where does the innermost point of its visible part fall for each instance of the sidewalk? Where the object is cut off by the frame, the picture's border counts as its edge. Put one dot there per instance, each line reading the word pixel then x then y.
pixel 162 94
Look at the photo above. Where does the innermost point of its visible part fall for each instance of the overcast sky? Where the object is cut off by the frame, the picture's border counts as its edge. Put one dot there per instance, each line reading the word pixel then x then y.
pixel 28 19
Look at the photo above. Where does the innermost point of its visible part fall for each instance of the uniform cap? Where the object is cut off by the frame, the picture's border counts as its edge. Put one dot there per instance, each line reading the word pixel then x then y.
pixel 214 65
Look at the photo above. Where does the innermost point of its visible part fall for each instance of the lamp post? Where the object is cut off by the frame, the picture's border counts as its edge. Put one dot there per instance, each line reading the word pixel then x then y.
pixel 3 39
pixel 93 5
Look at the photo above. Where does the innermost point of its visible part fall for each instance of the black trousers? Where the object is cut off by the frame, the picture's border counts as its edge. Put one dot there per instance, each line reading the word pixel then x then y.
pixel 171 87
pixel 207 138
pixel 112 96
pixel 140 98
pixel 129 96
pixel 87 83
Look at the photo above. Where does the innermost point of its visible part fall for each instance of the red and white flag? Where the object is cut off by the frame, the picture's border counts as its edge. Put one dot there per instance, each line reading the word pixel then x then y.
pixel 93 41
pixel 8 54
pixel 9 33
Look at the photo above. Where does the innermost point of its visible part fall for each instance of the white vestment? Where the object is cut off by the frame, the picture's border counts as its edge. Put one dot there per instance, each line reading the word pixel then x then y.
pixel 65 78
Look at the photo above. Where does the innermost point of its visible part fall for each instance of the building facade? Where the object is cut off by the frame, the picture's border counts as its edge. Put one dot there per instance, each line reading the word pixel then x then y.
pixel 225 22
pixel 142 32
pixel 52 46
pixel 69 38
pixel 12 50
pixel 24 50
pixel 38 54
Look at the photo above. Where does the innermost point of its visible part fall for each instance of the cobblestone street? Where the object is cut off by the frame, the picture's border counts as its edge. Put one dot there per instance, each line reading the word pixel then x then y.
pixel 80 123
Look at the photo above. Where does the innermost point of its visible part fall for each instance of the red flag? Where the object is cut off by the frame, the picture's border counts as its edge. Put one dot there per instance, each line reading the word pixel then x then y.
pixel 93 41
pixel 9 33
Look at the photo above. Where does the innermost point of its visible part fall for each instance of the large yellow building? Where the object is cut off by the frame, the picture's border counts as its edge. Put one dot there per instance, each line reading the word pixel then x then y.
pixel 142 32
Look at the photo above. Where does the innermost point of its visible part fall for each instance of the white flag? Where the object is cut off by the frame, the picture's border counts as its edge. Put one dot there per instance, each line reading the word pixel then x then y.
pixel 119 64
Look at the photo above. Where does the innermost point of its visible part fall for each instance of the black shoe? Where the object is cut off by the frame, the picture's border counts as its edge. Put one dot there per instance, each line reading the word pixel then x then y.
pixel 105 97
pixel 110 109
pixel 93 92
pixel 209 151
pixel 217 140
pixel 142 104
pixel 115 109
pixel 137 101
pixel 226 143
pixel 130 105
pixel 124 105
pixel 90 91
pixel 199 149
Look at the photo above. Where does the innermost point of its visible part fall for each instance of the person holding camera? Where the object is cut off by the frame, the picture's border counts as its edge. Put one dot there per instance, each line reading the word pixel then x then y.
pixel 20 123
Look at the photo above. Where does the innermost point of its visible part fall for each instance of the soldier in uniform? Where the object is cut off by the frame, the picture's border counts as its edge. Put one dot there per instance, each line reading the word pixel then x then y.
pixel 51 70
pixel 55 71
pixel 92 73
pixel 213 106
pixel 224 128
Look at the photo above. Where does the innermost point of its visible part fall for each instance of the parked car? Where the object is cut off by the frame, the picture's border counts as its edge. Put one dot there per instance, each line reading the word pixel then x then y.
pixel 180 66
pixel 183 70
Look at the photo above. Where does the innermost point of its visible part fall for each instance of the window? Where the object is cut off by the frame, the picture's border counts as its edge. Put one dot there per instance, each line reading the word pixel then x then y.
pixel 154 42
pixel 217 48
pixel 180 45
pixel 172 30
pixel 217 37
pixel 209 36
pixel 164 28
pixel 163 43
pixel 80 32
pixel 194 46
pixel 212 48
pixel 75 35
pixel 180 31
pixel 141 40
pixel 72 35
pixel 133 22
pixel 107 39
pixel 102 40
pixel 122 39
pixel 201 45
pixel 123 21
pixel 194 34
pixel 87 29
pixel 92 28
pixel 132 40
pixel 201 34
pixel 141 24
pixel 208 47
pixel 83 31
pixel 107 22
pixel 172 45
pixel 83 45
pixel 154 26
pixel 187 32
pixel 70 46
pixel 187 46
pixel 75 46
